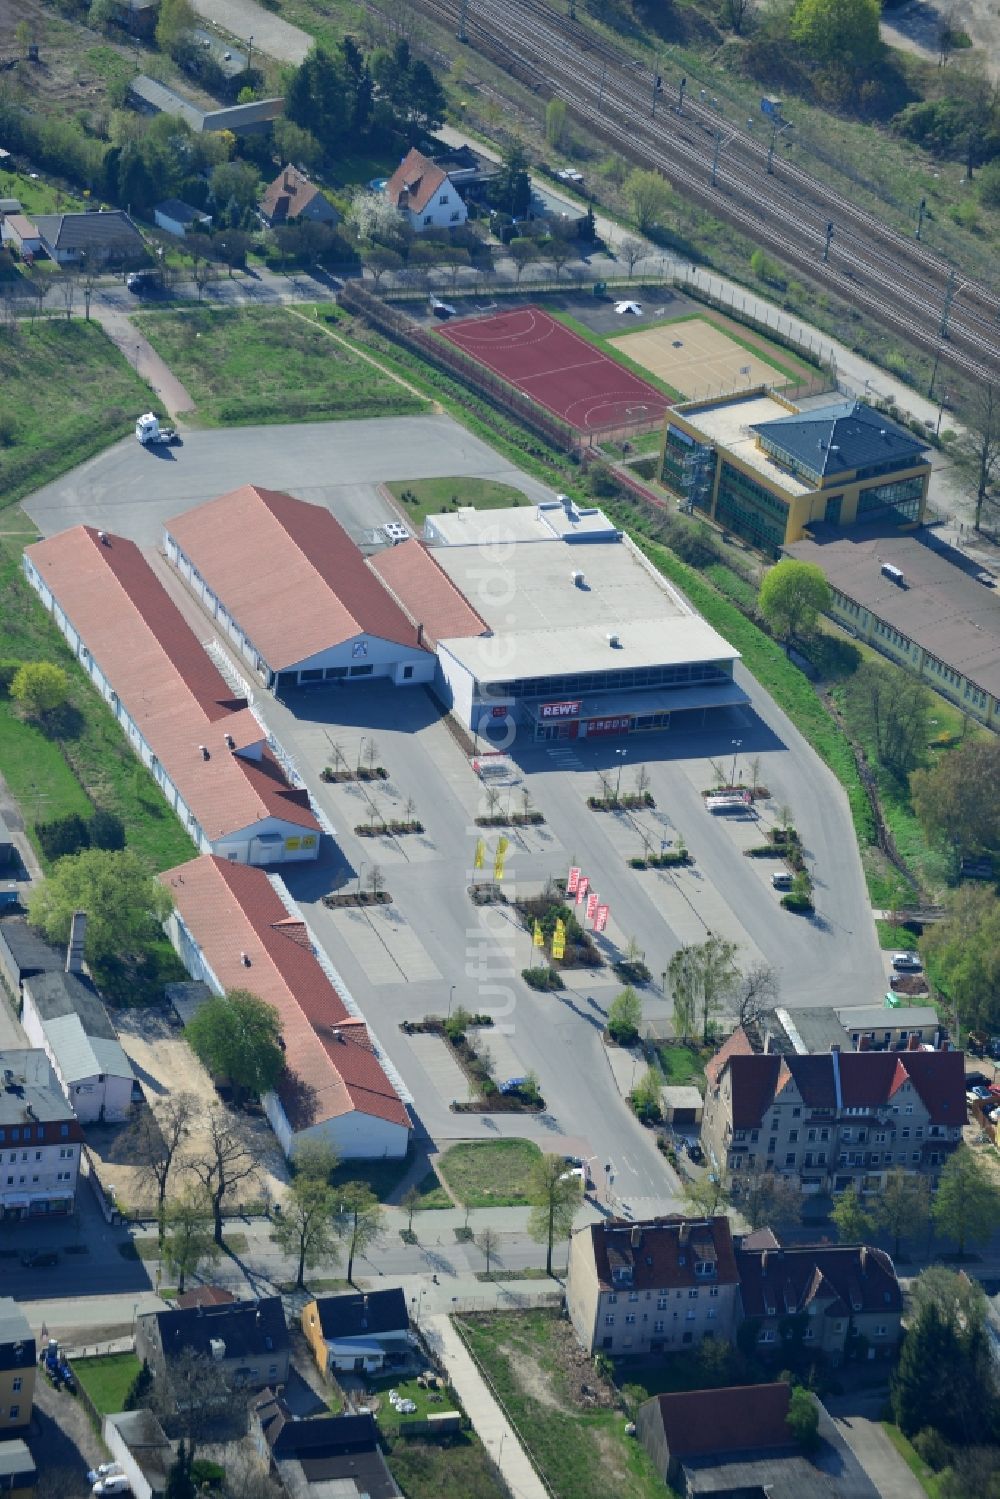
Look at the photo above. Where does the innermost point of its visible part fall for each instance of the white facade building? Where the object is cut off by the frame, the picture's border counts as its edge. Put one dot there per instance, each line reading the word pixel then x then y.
pixel 40 1139
pixel 425 195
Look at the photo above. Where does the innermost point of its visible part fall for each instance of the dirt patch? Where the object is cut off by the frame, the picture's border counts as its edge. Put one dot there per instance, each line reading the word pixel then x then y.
pixel 555 1371
pixel 612 1459
pixel 530 1377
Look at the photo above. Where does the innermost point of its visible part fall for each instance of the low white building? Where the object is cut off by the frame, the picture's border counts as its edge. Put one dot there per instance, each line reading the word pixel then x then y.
pixel 206 750
pixel 64 1016
pixel 425 195
pixel 290 589
pixel 177 218
pixel 142 1449
pixel 236 928
pixel 40 1139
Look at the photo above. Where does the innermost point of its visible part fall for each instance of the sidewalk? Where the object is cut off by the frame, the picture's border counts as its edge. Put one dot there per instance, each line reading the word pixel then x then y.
pixel 492 1426
pixel 142 356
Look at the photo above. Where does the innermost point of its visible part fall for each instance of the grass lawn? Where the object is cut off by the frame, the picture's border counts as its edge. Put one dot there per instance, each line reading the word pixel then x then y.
pixel 491 1174
pixel 107 1380
pixel 925 1476
pixel 383 1177
pixel 432 496
pixel 537 1368
pixel 455 1468
pixel 269 365
pixel 682 1065
pixel 51 370
pixel 37 195
pixel 86 762
pixel 388 1418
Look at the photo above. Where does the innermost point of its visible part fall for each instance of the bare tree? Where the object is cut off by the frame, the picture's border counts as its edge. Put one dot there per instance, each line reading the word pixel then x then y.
pixel 631 250
pixel 558 251
pixel 738 13
pixel 89 271
pixel 376 880
pixel 489 1242
pixel 979 451
pixel 248 1478
pixel 371 753
pixel 492 800
pixel 753 767
pixel 67 292
pixel 155 1140
pixel 225 1164
pixel 606 783
pixel 193 1395
pixel 641 779
pixel 765 1197
pixel 756 993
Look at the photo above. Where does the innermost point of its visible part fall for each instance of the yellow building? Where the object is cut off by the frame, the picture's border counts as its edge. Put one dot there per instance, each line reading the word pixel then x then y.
pixel 765 470
pixel 17 1368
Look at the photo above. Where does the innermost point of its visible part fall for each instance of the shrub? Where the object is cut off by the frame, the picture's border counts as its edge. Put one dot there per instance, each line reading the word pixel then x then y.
pixel 8 671
pixel 106 830
pixel 932 1447
pixel 63 836
pixel 542 979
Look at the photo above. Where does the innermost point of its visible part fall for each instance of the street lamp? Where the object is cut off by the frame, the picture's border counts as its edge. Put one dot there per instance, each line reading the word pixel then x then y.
pixel 736 749
pixel 250 53
pixel 622 753
pixel 451 996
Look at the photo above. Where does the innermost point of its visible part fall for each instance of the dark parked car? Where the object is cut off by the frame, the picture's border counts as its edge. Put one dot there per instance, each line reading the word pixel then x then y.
pixel 37 1259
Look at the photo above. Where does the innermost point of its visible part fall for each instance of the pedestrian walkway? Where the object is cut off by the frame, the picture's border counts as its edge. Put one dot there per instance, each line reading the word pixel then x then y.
pixel 494 1430
pixel 143 357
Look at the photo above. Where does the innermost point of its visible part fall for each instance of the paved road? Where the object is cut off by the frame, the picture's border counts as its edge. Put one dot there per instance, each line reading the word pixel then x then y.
pixel 132 490
pixel 245 19
pixel 857 1420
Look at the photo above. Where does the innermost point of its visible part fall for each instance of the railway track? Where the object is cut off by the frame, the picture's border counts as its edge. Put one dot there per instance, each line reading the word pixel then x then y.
pixel 867 262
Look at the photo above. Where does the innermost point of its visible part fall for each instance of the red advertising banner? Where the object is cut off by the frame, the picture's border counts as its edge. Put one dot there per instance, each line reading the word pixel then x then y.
pixel 592 903
pixel 500 710
pixel 560 710
pixel 598 726
pixel 572 880
pixel 582 888
pixel 601 919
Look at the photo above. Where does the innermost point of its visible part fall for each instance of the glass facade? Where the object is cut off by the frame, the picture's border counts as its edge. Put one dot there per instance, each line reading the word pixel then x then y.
pixel 902 499
pixel 609 681
pixel 751 510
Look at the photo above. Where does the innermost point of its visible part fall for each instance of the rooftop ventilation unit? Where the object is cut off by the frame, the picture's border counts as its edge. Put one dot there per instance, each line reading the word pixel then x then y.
pixel 578 579
pixel 102 537
pixel 245 959
pixel 230 742
pixel 204 752
pixel 615 642
pixel 894 574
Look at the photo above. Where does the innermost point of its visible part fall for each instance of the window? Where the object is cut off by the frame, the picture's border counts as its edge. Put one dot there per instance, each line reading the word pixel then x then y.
pixel 693 1295
pixel 407 673
pixel 429 219
pixel 443 198
pixel 661 1303
pixel 362 671
pixel 793 1137
pixel 15 1411
pixel 630 1319
pixel 15 1386
pixel 880 1331
pixel 633 1295
pixel 455 216
pixel 713 1290
pixel 609 1320
pixel 790 1158
pixel 658 1326
pixel 612 1298
pixel 766 1335
pixel 713 1312
pixel 772 1146
pixel 690 1314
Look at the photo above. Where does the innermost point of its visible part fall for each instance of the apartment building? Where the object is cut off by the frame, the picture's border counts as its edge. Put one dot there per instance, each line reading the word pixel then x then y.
pixel 40 1139
pixel 17 1369
pixel 652 1287
pixel 830 1121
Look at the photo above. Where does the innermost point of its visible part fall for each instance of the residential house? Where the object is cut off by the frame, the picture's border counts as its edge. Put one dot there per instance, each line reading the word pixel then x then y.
pixel 18 1474
pixel 24 952
pixel 177 217
pixel 652 1287
pixel 40 1139
pixel 360 1331
pixel 316 614
pixel 835 1300
pixel 213 760
pixel 425 195
pixel 247 1339
pixel 137 1441
pixel 17 1370
pixel 827 1122
pixel 64 1016
pixel 885 1027
pixel 736 1444
pixel 236 929
pixel 102 237
pixel 292 197
pixel 327 1457
pixel 21 234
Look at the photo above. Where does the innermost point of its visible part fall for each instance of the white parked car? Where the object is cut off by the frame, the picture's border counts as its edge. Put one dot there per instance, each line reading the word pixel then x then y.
pixel 103 1470
pixel 906 962
pixel 633 309
pixel 115 1483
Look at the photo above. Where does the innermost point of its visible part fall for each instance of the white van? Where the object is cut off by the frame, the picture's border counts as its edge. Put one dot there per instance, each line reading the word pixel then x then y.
pixel 782 879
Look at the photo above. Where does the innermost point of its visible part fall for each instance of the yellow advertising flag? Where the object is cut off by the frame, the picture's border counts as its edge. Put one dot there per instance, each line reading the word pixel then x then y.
pixel 538 936
pixel 480 858
pixel 559 940
pixel 503 844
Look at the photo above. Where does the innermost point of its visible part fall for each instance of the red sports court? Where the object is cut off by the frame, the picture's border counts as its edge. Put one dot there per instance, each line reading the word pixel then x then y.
pixel 558 369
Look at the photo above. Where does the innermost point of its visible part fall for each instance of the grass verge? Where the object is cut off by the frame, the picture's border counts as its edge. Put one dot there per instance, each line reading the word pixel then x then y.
pixel 423 497
pixel 107 1380
pixel 924 1475
pixel 266 365
pixel 683 1066
pixel 536 1368
pixel 383 1178
pixel 51 370
pixel 457 1468
pixel 491 1173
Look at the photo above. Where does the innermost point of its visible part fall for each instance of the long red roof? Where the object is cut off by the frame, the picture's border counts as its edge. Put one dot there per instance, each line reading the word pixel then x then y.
pixel 331 1064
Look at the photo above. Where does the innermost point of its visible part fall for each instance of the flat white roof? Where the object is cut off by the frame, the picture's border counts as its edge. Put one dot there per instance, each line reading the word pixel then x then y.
pixel 547 621
pixel 547 521
pixel 728 425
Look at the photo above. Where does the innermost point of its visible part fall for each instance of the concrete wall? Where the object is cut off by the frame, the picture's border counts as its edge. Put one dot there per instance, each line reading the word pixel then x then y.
pixel 355 1136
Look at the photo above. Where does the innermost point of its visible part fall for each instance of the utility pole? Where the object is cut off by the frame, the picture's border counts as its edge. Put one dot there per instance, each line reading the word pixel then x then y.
pixel 250 52
pixel 829 237
pixel 680 95
pixel 920 216
pixel 715 158
pixel 604 79
pixel 657 84
pixel 462 15
pixel 949 293
pixel 770 149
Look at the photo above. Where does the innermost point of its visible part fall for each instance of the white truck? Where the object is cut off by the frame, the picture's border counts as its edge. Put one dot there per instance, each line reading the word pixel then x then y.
pixel 149 432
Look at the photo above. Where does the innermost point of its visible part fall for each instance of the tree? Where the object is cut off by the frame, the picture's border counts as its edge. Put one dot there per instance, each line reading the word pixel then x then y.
pixel 554 1196
pixel 946 1377
pixel 226 1163
pixel 953 800
pixel 187 1235
pixel 238 1036
pixel 316 1160
pixel 842 32
pixel 379 259
pixel 756 993
pixel 903 1206
pixel 649 196
pixel 792 596
pixel 631 250
pixel 890 708
pixel 803 1419
pixel 234 181
pixel 374 218
pixel 522 252
pixel 510 189
pixel 155 1140
pixel 411 1203
pixel 488 1242
pixel 705 1194
pixel 125 905
pixel 39 688
pixel 297 145
pixel 306 1226
pixel 978 451
pixel 701 978
pixel 358 1222
pixel 767 1199
pixel 967 1203
pixel 176 18
pixel 558 251
pixel 738 13
pixel 625 1017
pixel 645 1097
pixel 194 1394
pixel 180 1484
pixel 962 954
pixel 854 1222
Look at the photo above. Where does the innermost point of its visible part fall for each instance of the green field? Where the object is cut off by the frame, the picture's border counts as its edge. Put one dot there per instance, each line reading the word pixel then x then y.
pixel 582 1452
pixel 270 364
pixel 49 419
pixel 682 1065
pixel 107 1380
pixel 458 1468
pixel 432 496
pixel 493 1173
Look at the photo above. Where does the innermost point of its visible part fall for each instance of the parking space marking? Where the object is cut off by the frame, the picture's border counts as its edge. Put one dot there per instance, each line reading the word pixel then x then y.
pixel 445 1076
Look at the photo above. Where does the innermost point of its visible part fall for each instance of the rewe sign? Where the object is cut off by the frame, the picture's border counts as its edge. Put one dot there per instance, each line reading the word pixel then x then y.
pixel 559 710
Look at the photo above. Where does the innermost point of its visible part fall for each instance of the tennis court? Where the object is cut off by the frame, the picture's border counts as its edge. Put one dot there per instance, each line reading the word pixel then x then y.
pixel 699 358
pixel 558 369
